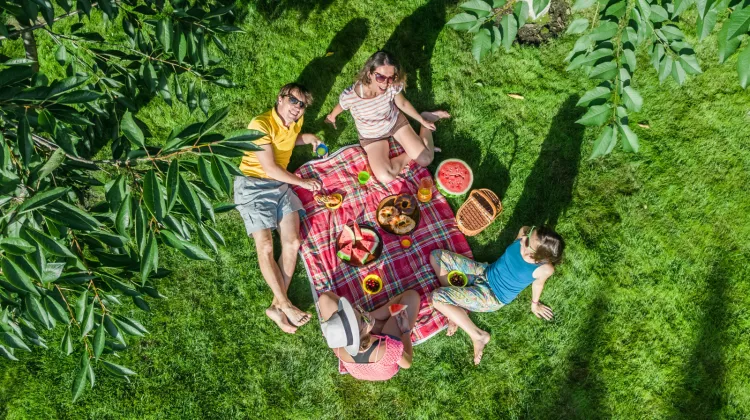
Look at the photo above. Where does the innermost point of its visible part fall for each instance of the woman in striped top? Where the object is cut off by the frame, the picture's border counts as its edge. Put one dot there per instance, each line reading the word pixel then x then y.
pixel 377 103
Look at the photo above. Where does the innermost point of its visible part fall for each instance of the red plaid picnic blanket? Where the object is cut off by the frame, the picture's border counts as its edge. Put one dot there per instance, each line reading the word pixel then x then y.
pixel 401 269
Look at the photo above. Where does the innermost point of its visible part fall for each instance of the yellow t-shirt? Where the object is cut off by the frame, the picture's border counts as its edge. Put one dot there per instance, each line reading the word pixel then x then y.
pixel 280 137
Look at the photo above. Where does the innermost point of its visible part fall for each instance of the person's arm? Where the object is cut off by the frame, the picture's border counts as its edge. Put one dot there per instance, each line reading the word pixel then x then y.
pixel 403 325
pixel 331 117
pixel 304 139
pixel 273 170
pixel 540 310
pixel 404 105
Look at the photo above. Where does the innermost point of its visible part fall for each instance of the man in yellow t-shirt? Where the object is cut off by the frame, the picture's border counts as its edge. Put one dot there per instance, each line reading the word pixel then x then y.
pixel 266 201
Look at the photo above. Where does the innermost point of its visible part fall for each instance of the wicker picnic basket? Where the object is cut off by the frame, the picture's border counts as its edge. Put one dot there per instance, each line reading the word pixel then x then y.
pixel 478 212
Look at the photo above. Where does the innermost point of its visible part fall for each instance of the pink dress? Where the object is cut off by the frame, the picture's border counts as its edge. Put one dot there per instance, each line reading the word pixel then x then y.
pixel 383 369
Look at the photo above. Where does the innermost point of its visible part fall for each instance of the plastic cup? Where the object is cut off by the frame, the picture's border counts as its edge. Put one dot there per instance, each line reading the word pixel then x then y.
pixel 363 177
pixel 424 194
pixel 321 150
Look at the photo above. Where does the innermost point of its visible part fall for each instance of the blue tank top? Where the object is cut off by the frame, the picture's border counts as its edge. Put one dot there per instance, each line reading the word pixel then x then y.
pixel 509 275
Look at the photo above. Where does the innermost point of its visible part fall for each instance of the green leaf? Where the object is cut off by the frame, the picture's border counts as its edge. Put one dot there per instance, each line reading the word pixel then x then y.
pixel 99 341
pixel 678 73
pixel 25 143
pixel 164 33
pixel 152 196
pixel 123 219
pixel 645 8
pixel 606 30
pixel 117 369
pixel 41 199
pixel 112 329
pixel 88 320
pixel 181 47
pixel 632 99
pixel 150 257
pixel 164 88
pixel 599 92
pixel 48 243
pixel 190 199
pixel 577 26
pixel 131 130
pixel 130 326
pixel 61 55
pixel 582 4
pixel 55 160
pixel 706 24
pixel 52 271
pixel 630 139
pixel 207 175
pixel 192 99
pixel 149 77
pixel 55 310
pixel 78 97
pixel 16 246
pixel 521 10
pixel 462 22
pixel 141 226
pixel 203 102
pixel 215 234
pixel 17 277
pixel 172 187
pixel 66 345
pixel 509 29
pixel 743 67
pixel 244 135
pixel 665 68
pixel 214 120
pixel 37 311
pixel 189 250
pixel 690 64
pixel 81 305
pixel 597 115
pixel 739 22
pixel 14 341
pixel 481 44
pixel 658 14
pixel 671 32
pixel 604 71
pixel 221 174
pixel 587 60
pixel 206 206
pixel 116 241
pixel 539 6
pixel 478 7
pixel 178 89
pixel 727 46
pixel 605 142
pixel 79 383
pixel 206 238
pixel 69 215
pixel 703 7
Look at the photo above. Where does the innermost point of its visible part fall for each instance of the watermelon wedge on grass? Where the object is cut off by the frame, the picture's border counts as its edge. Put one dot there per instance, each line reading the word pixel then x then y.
pixel 396 308
pixel 454 177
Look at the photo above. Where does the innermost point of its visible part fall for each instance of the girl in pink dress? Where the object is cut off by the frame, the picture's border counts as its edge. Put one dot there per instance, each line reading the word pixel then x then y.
pixel 371 346
pixel 377 103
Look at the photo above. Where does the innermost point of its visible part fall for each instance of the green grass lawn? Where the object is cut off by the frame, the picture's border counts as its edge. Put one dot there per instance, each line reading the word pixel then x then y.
pixel 651 302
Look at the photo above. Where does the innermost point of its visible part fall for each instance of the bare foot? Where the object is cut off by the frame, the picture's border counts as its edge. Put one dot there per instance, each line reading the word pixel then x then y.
pixel 479 346
pixel 452 328
pixel 435 115
pixel 280 319
pixel 296 317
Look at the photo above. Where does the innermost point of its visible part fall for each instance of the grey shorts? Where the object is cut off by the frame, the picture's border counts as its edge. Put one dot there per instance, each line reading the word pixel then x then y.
pixel 262 203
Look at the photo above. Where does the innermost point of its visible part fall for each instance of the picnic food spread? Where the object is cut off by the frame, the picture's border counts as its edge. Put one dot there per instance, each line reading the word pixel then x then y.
pixel 398 214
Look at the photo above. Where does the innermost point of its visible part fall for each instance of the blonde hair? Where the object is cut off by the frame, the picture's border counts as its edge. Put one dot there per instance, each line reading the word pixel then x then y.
pixel 381 58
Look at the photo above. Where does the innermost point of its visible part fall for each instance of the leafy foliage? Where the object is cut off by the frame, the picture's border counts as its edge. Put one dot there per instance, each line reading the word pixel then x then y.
pixel 78 237
pixel 607 52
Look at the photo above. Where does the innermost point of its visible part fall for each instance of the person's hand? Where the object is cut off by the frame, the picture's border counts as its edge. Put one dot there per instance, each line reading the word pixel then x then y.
pixel 542 311
pixel 331 120
pixel 315 144
pixel 311 184
pixel 427 124
pixel 402 321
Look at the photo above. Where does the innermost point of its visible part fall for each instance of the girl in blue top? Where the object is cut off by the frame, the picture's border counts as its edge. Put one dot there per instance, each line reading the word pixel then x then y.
pixel 529 260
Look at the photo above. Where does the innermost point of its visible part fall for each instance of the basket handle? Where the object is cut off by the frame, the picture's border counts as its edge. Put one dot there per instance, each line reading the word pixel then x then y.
pixel 489 199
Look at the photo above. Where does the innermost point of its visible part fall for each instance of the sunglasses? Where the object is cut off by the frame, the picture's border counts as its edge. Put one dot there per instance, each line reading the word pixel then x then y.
pixel 295 101
pixel 528 239
pixel 382 79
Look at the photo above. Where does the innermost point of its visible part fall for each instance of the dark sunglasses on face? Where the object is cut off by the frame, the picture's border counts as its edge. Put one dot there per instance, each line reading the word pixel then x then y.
pixel 295 101
pixel 382 79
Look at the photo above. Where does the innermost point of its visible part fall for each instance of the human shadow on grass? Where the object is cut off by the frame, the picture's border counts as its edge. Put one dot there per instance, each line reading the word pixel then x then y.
pixel 319 76
pixel 548 190
pixel 702 395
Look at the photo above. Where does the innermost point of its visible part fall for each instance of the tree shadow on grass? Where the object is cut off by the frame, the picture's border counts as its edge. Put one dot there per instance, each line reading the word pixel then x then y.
pixel 701 395
pixel 273 9
pixel 549 187
pixel 319 76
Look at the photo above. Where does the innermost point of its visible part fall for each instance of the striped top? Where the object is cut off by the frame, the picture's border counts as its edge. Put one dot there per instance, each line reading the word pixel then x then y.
pixel 374 117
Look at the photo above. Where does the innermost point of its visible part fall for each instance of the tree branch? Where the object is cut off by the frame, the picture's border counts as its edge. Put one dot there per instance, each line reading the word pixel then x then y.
pixel 24 29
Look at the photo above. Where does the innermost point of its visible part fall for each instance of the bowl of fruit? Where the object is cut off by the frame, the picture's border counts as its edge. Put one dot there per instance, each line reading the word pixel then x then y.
pixel 358 245
pixel 372 284
pixel 457 279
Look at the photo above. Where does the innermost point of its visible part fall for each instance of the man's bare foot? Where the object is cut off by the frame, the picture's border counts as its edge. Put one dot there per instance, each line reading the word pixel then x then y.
pixel 296 317
pixel 452 328
pixel 435 115
pixel 479 346
pixel 280 319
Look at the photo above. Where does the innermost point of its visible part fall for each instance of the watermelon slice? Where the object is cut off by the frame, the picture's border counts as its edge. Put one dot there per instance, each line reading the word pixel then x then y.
pixel 346 237
pixel 396 308
pixel 370 240
pixel 359 255
pixel 357 232
pixel 345 253
pixel 454 177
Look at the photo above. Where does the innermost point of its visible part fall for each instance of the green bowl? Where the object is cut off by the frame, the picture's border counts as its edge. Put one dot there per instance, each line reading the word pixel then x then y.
pixel 462 277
